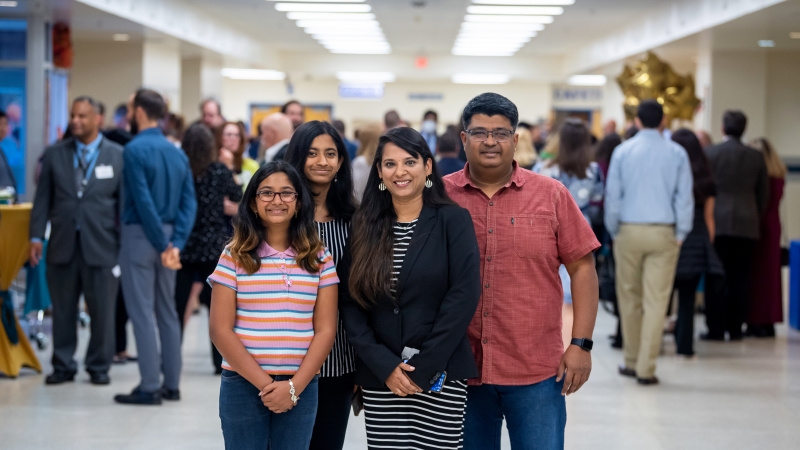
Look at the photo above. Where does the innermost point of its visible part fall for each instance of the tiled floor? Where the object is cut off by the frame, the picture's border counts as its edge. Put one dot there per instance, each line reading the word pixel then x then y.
pixel 733 396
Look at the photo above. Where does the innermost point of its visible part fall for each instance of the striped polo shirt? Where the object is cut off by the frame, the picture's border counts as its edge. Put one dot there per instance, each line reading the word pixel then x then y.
pixel 275 306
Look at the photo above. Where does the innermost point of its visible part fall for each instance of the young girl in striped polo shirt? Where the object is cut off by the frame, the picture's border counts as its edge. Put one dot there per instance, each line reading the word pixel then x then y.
pixel 273 314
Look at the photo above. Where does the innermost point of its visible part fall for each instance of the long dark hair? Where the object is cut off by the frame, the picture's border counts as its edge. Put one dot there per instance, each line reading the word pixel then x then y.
pixel 575 148
pixel 198 144
pixel 701 171
pixel 341 201
pixel 373 223
pixel 249 233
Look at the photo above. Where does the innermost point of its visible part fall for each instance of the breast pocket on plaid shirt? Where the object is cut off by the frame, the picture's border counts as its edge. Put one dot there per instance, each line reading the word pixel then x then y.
pixel 533 236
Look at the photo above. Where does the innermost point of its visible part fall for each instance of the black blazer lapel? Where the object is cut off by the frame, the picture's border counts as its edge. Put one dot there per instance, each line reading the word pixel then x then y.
pixel 67 161
pixel 427 219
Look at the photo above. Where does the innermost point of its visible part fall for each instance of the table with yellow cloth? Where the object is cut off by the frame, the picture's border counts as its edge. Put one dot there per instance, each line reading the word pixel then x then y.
pixel 14 251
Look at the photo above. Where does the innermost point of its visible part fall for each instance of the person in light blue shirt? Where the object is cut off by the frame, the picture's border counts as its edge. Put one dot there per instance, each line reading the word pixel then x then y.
pixel 649 210
pixel 157 218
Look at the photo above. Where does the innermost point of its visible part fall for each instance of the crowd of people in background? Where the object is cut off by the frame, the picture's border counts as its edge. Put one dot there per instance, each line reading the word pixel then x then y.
pixel 140 213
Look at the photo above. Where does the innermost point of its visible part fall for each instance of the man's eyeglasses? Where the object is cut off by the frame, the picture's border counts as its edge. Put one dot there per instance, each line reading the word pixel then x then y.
pixel 481 135
pixel 268 196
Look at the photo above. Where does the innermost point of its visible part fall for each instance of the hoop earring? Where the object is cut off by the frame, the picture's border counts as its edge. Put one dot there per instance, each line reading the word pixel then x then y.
pixel 428 183
pixel 382 187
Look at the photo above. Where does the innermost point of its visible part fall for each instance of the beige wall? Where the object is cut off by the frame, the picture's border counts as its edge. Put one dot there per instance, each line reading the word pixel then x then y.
pixel 161 71
pixel 783 102
pixel 739 81
pixel 532 99
pixel 107 71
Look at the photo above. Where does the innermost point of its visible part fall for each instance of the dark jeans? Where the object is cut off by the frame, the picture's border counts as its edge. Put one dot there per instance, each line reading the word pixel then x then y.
pixel 248 424
pixel 684 327
pixel 335 395
pixel 536 416
pixel 727 312
pixel 186 276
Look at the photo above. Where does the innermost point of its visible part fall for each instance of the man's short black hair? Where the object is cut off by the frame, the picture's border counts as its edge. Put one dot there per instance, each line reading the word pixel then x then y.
pixel 151 102
pixel 651 113
pixel 286 105
pixel 101 108
pixel 431 112
pixel 734 123
pixel 491 104
pixel 91 101
pixel 448 143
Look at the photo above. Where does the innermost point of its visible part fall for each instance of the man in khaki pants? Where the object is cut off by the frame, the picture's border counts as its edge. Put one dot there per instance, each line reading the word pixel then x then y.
pixel 648 211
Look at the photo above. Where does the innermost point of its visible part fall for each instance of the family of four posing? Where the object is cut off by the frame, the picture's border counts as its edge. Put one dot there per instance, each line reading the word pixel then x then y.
pixel 447 290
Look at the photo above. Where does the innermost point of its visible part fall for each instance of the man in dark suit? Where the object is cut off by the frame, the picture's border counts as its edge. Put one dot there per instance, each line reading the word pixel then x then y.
pixel 742 194
pixel 6 174
pixel 79 193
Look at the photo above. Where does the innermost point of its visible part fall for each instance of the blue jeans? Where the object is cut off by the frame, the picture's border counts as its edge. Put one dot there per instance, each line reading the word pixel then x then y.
pixel 249 425
pixel 535 414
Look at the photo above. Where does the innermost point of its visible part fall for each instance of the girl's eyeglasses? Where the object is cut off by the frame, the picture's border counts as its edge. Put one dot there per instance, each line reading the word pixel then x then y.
pixel 269 196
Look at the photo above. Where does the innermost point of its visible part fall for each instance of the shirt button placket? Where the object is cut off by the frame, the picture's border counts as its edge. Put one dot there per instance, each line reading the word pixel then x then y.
pixel 491 245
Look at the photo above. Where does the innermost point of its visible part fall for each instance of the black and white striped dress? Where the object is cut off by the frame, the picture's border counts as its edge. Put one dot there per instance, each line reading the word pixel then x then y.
pixel 425 421
pixel 342 359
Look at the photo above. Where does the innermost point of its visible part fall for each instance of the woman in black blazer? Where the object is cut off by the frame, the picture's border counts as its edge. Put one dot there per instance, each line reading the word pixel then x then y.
pixel 410 284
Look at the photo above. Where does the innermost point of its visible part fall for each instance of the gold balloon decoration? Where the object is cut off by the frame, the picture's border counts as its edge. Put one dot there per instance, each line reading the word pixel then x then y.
pixel 652 78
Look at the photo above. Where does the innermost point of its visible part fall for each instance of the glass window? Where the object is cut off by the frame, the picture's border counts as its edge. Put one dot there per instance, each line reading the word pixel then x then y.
pixel 13 37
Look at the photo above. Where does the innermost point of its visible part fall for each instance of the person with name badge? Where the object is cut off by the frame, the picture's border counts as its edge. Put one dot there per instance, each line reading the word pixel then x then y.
pixel 79 193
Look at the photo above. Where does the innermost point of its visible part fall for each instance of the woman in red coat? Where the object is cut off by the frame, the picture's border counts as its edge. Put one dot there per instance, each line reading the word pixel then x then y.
pixel 766 294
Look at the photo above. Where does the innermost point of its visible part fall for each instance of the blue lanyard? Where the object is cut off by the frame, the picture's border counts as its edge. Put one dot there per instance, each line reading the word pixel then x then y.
pixel 91 160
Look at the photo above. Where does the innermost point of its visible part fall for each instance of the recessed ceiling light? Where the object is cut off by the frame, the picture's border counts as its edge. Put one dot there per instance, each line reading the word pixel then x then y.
pixel 794 35
pixel 766 43
pixel 360 51
pixel 504 27
pixel 385 77
pixel 317 7
pixel 8 4
pixel 525 2
pixel 329 16
pixel 480 78
pixel 252 74
pixel 321 1
pixel 587 80
pixel 517 10
pixel 489 18
pixel 121 37
pixel 342 24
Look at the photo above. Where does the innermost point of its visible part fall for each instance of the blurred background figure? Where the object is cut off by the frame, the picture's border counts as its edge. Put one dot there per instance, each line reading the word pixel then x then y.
pixel 766 290
pixel 525 153
pixel 368 137
pixel 428 129
pixel 391 120
pixel 211 112
pixel 610 127
pixel 449 146
pixel 294 110
pixel 352 147
pixel 276 130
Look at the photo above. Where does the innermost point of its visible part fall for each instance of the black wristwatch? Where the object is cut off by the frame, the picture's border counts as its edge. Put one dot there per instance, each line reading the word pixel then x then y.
pixel 583 343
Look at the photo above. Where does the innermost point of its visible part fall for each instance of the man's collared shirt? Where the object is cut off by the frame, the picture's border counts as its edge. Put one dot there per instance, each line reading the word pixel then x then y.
pixel 270 153
pixel 525 232
pixel 650 182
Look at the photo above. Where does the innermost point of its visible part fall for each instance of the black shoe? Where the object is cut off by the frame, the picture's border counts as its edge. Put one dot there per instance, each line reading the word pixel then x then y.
pixel 139 397
pixel 59 377
pixel 735 336
pixel 626 372
pixel 712 337
pixel 99 378
pixel 647 381
pixel 170 394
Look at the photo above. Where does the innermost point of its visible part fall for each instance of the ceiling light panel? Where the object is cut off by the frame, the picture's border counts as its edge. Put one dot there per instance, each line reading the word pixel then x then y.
pixel 321 1
pixel 322 7
pixel 329 16
pixel 514 10
pixel 383 77
pixel 252 74
pixel 525 2
pixel 502 27
pixel 340 26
